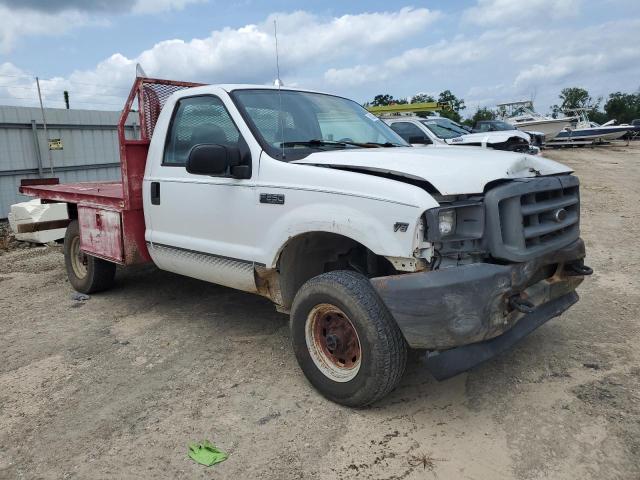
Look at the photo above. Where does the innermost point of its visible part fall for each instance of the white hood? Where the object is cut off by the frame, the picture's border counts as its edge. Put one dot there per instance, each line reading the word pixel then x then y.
pixel 450 170
pixel 490 138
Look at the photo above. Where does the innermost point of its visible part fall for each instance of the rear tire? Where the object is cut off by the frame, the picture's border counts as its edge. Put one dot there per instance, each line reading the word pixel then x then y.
pixel 345 340
pixel 86 273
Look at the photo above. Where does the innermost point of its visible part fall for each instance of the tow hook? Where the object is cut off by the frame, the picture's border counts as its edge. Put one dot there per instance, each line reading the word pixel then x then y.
pixel 518 303
pixel 578 268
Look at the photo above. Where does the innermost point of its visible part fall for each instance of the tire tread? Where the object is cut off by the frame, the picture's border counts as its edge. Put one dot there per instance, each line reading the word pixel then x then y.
pixel 391 363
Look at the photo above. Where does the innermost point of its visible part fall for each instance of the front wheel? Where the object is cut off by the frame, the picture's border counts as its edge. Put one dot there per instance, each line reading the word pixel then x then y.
pixel 86 273
pixel 345 340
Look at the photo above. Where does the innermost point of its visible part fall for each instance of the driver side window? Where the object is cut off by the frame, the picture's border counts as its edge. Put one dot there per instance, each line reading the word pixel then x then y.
pixel 198 120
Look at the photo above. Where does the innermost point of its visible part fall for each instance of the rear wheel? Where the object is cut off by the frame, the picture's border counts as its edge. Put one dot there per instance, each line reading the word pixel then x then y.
pixel 345 340
pixel 86 273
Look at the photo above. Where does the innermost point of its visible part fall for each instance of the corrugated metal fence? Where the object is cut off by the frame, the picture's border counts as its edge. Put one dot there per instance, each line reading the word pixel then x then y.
pixel 88 140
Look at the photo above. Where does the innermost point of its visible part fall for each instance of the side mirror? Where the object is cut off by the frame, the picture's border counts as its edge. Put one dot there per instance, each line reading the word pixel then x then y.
pixel 422 140
pixel 212 159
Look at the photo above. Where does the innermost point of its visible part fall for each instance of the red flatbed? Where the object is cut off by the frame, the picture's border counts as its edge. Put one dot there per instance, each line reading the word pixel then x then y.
pixel 109 214
pixel 107 194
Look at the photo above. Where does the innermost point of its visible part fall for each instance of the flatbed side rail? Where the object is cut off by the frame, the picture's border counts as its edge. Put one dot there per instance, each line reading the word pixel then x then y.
pixel 151 93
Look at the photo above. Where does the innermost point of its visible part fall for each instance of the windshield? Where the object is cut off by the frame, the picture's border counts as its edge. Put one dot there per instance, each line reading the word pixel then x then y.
pixel 291 124
pixel 500 125
pixel 444 128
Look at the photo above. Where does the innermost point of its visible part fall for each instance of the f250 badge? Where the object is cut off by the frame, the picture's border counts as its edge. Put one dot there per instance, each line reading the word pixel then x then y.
pixel 273 198
pixel 400 227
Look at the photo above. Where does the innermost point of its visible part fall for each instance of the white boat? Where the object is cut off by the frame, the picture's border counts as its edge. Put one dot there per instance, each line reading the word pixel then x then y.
pixel 586 130
pixel 523 116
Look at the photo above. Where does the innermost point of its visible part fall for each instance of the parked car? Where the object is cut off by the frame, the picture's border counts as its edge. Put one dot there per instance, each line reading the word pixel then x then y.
pixel 634 132
pixel 436 131
pixel 537 138
pixel 371 246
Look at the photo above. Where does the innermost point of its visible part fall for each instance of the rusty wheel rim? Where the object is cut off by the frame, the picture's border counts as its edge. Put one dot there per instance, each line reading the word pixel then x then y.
pixel 78 259
pixel 333 342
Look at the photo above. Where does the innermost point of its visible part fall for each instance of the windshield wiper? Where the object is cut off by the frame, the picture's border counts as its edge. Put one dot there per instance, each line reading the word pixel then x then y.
pixel 321 143
pixel 313 143
pixel 385 144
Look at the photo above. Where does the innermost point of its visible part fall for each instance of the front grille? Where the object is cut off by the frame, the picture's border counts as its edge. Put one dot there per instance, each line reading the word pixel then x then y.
pixel 530 217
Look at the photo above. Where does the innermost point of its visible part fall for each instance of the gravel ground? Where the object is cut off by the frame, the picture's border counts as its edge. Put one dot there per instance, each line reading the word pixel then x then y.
pixel 117 386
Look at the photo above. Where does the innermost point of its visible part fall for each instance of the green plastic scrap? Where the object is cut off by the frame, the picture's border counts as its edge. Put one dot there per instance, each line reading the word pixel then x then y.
pixel 205 453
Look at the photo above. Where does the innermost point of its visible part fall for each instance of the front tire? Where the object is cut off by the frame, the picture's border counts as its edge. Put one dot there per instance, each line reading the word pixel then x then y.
pixel 345 340
pixel 86 273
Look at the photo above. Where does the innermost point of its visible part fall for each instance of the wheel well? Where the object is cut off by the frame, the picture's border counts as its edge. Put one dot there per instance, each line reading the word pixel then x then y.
pixel 310 254
pixel 72 209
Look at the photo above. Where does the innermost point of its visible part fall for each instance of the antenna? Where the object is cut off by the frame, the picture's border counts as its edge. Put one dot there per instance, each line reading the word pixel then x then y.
pixel 278 83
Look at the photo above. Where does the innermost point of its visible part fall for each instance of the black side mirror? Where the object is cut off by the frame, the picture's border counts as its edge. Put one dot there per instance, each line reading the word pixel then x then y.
pixel 212 159
pixel 420 139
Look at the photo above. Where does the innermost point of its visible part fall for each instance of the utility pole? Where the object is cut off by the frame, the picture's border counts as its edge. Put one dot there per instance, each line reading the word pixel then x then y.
pixel 66 99
pixel 44 123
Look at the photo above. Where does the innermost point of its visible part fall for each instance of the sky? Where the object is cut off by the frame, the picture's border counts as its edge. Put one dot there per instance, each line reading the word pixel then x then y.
pixel 485 51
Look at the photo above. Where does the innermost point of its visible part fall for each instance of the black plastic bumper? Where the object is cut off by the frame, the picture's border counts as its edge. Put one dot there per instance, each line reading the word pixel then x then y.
pixel 468 304
pixel 457 360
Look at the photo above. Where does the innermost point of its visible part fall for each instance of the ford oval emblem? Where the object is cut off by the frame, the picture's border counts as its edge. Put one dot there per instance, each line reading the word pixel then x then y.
pixel 560 215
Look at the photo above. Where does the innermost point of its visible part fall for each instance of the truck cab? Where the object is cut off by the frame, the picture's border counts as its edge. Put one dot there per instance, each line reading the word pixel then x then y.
pixel 373 247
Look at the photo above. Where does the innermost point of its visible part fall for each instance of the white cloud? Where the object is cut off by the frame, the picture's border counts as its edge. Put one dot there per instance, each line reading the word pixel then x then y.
pixel 335 53
pixel 508 12
pixel 20 23
pixel 155 6
pixel 247 54
pixel 22 20
pixel 433 57
pixel 607 48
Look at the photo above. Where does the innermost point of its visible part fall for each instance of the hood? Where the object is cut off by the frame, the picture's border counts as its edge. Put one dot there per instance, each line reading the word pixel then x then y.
pixel 489 138
pixel 452 171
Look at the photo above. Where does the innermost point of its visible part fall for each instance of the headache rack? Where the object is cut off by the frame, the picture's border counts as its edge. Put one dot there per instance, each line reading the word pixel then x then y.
pixel 530 217
pixel 110 213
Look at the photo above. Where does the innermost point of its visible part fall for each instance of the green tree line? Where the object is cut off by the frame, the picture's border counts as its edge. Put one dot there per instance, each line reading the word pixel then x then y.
pixel 623 107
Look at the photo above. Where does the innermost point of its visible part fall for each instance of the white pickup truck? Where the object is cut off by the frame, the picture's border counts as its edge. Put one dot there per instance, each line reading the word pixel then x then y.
pixel 441 131
pixel 372 246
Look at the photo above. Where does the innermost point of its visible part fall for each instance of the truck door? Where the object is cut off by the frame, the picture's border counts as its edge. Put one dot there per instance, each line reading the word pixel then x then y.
pixel 201 225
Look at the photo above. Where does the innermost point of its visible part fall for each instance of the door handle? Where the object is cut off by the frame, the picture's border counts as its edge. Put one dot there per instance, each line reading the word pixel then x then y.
pixel 155 193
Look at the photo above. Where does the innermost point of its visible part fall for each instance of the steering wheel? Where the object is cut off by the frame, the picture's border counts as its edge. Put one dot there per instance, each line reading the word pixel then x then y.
pixel 346 139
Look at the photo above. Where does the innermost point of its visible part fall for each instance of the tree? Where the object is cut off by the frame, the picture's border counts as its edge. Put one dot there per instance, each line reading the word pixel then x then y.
pixel 624 107
pixel 575 97
pixel 385 99
pixel 483 113
pixel 457 104
pixel 423 98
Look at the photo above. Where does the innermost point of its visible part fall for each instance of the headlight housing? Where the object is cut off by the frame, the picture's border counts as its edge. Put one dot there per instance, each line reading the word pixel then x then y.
pixel 463 220
pixel 446 221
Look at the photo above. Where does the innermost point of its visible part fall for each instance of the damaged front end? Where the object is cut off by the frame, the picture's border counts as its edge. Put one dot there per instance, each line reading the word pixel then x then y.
pixel 511 258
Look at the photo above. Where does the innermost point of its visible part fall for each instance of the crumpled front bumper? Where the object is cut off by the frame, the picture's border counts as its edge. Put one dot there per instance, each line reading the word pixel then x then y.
pixel 464 305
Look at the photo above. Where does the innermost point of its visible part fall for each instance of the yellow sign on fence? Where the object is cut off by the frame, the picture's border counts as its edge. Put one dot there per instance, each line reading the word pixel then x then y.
pixel 55 144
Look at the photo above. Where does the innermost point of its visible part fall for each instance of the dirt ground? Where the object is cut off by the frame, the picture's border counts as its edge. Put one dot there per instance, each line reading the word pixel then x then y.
pixel 117 386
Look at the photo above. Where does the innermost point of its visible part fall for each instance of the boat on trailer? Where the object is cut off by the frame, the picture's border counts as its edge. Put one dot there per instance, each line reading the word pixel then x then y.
pixel 523 116
pixel 585 130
